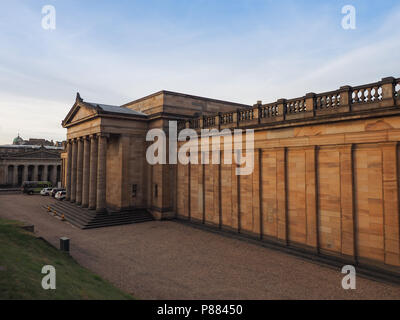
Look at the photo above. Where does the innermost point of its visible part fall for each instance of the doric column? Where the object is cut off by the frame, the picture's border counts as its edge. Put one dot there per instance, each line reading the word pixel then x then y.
pixel 93 172
pixel 86 172
pixel 73 169
pixel 54 175
pixel 79 171
pixel 58 173
pixel 45 172
pixel 15 175
pixel 25 174
pixel 35 172
pixel 5 173
pixel 101 174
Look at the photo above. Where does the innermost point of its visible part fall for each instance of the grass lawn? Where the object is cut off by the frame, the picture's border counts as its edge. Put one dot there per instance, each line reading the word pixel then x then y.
pixel 22 257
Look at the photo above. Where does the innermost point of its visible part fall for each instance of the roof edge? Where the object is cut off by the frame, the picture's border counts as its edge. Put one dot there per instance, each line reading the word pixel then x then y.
pixel 173 93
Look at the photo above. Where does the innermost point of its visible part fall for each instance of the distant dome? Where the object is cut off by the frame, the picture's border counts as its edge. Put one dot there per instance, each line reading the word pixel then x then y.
pixel 18 140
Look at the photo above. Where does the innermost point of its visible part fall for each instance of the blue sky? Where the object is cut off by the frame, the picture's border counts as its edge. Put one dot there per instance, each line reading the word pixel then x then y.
pixel 243 51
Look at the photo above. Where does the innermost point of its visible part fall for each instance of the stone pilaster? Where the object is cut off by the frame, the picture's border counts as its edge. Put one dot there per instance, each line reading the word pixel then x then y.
pixel 73 170
pixel 86 172
pixel 69 162
pixel 79 172
pixel 101 174
pixel 93 172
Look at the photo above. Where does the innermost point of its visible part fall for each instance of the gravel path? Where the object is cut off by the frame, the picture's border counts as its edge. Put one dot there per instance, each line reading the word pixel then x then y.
pixel 169 260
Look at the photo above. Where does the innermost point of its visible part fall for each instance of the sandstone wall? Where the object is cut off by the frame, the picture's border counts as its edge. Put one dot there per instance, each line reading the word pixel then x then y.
pixel 329 188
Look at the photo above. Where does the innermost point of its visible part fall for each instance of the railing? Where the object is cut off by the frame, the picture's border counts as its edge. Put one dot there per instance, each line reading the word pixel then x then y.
pixel 208 122
pixel 384 93
pixel 269 111
pixel 194 123
pixel 327 100
pixel 245 115
pixel 296 106
pixel 181 124
pixel 226 118
pixel 367 93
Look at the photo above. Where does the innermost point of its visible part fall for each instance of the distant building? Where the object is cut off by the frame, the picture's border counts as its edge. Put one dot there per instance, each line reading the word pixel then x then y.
pixel 18 141
pixel 30 160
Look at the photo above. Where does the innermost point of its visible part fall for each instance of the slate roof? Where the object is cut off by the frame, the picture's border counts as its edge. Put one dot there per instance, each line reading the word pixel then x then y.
pixel 115 109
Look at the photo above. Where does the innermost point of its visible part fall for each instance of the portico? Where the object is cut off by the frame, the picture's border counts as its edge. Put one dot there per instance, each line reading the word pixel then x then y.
pixel 91 128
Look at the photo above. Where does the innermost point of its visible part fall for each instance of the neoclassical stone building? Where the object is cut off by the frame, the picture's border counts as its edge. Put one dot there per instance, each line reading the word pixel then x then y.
pixel 325 179
pixel 23 162
pixel 106 147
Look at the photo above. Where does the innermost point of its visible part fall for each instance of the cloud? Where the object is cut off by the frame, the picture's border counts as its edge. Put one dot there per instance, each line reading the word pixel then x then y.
pixel 242 54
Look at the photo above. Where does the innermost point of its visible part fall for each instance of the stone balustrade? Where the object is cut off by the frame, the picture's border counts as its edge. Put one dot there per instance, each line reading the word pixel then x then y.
pixel 384 93
pixel 269 111
pixel 327 100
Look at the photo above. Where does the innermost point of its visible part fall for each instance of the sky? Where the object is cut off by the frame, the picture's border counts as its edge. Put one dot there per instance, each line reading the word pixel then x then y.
pixel 114 52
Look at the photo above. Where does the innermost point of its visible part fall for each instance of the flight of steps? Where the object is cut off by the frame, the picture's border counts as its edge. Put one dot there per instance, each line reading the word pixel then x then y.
pixel 89 219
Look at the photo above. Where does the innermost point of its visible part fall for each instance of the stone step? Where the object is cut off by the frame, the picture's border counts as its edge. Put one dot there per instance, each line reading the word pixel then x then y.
pixel 74 219
pixel 72 207
pixel 111 224
pixel 88 219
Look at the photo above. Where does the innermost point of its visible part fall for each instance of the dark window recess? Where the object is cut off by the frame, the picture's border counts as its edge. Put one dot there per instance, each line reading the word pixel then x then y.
pixel 134 190
pixel 156 191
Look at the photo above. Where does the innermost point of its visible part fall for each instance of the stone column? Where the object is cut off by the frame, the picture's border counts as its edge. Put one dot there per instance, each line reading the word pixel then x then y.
pixel 45 172
pixel 73 170
pixel 93 172
pixel 54 175
pixel 86 172
pixel 101 174
pixel 15 175
pixel 5 173
pixel 58 173
pixel 35 172
pixel 25 174
pixel 69 162
pixel 79 173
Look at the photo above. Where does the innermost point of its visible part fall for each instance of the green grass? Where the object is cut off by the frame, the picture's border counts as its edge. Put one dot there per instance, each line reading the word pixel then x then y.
pixel 22 257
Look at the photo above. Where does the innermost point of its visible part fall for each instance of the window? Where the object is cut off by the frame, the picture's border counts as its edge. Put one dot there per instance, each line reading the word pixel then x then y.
pixel 156 191
pixel 134 190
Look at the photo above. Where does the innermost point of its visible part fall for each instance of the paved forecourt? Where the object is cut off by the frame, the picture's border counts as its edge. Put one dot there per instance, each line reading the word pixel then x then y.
pixel 170 260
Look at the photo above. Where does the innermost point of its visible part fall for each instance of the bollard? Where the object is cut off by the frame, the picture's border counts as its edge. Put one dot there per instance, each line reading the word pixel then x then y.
pixel 62 217
pixel 55 213
pixel 48 209
pixel 64 244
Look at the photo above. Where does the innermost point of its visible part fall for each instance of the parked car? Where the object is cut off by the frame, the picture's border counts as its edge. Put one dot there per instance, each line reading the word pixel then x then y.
pixel 31 187
pixel 45 191
pixel 60 195
pixel 55 190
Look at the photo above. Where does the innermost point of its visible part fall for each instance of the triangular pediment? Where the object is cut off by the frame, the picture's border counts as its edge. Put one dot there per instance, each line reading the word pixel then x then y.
pixel 83 112
pixel 79 111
